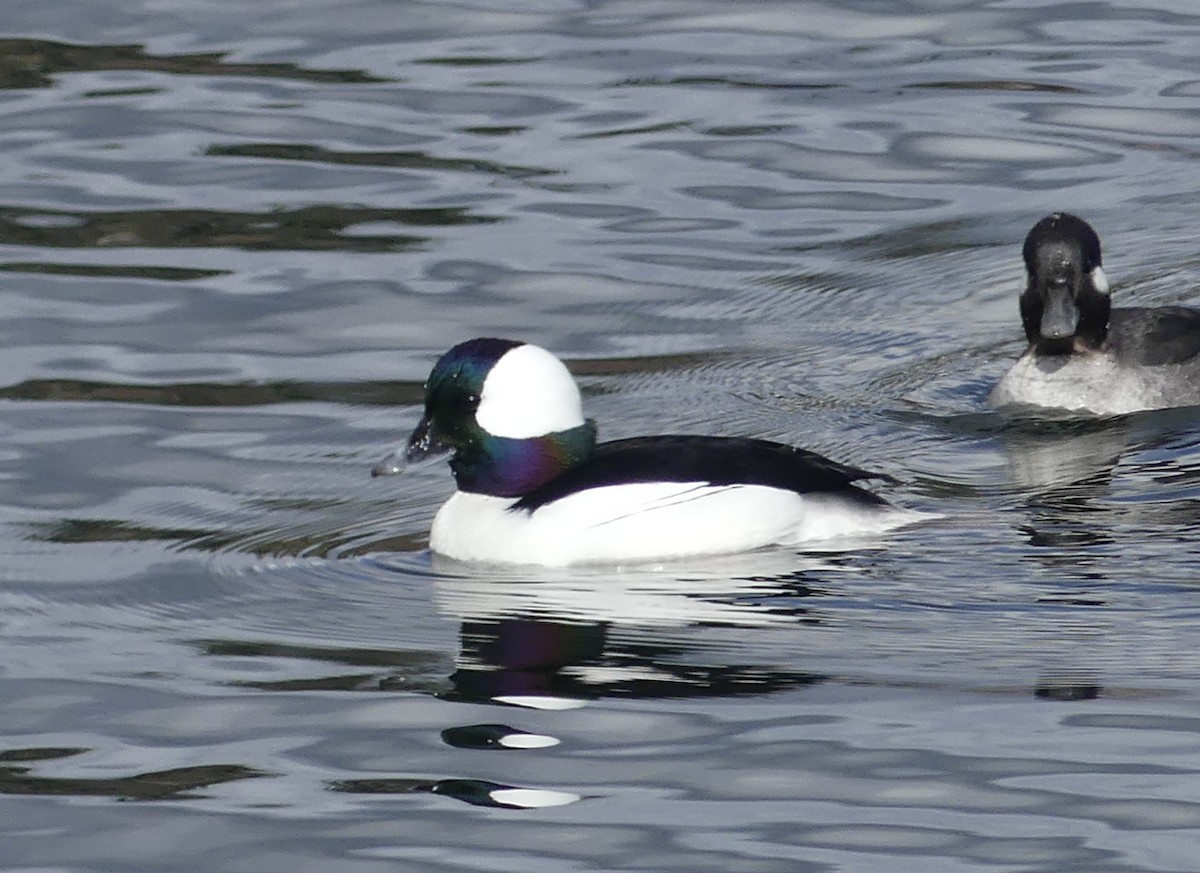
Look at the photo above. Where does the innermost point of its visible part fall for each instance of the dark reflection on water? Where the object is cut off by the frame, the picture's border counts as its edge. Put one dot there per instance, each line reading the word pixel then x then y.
pixel 108 530
pixel 1062 691
pixel 998 85
pixel 413 671
pixel 319 228
pixel 406 160
pixel 216 394
pixel 161 785
pixel 100 271
pixel 360 392
pixel 513 657
pixel 33 63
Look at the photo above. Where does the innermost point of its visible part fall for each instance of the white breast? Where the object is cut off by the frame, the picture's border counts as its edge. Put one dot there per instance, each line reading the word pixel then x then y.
pixel 647 521
pixel 1093 384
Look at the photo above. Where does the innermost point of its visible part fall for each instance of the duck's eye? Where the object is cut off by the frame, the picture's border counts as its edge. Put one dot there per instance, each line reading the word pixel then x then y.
pixel 470 401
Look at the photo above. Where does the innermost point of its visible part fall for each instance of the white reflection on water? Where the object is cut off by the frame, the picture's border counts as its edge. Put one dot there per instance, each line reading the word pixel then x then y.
pixel 727 590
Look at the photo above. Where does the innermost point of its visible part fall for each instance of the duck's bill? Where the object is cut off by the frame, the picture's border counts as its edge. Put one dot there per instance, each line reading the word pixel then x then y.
pixel 423 445
pixel 1060 315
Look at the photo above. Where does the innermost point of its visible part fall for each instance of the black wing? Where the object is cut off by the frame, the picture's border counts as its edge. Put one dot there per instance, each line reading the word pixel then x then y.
pixel 713 460
pixel 1155 336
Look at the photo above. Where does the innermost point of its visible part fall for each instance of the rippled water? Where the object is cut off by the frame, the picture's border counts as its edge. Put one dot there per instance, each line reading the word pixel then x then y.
pixel 234 238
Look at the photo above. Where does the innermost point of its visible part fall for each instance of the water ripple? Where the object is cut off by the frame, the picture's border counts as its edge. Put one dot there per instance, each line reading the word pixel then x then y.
pixel 235 242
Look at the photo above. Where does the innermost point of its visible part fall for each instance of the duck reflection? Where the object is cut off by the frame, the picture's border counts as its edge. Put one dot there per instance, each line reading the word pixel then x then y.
pixel 518 660
pixel 1066 687
pixel 1065 460
pixel 179 783
pixel 647 633
pixel 1066 469
pixel 1075 458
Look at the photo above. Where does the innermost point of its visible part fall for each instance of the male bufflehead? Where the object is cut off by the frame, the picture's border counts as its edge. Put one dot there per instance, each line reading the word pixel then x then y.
pixel 534 487
pixel 1084 356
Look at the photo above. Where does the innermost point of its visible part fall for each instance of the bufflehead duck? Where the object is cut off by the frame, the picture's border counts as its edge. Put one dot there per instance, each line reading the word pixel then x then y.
pixel 1084 356
pixel 534 486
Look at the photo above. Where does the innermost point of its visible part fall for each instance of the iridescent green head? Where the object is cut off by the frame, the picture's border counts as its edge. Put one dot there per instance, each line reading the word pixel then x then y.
pixel 510 414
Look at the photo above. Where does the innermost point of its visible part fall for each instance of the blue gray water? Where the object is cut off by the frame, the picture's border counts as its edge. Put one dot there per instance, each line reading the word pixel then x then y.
pixel 233 239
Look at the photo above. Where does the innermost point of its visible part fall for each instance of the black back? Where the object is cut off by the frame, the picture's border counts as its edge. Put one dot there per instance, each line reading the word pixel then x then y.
pixel 1154 336
pixel 712 460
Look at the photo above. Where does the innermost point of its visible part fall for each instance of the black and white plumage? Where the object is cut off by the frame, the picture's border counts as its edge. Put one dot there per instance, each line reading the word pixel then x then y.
pixel 713 460
pixel 1084 356
pixel 534 487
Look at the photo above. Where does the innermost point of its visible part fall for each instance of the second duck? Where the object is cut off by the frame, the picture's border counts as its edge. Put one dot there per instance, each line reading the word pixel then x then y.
pixel 1086 357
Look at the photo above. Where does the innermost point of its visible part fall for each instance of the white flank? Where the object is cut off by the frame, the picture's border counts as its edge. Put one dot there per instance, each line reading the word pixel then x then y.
pixel 1100 280
pixel 529 393
pixel 1093 384
pixel 649 521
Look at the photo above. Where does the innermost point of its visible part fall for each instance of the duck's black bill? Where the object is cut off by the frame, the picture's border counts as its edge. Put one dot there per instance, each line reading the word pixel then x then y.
pixel 423 445
pixel 1060 315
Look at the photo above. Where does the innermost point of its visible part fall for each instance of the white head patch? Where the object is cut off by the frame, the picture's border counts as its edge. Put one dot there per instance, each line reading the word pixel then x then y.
pixel 528 393
pixel 1100 281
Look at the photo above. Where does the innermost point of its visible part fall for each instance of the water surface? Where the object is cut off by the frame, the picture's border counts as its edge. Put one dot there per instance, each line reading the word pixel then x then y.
pixel 232 242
